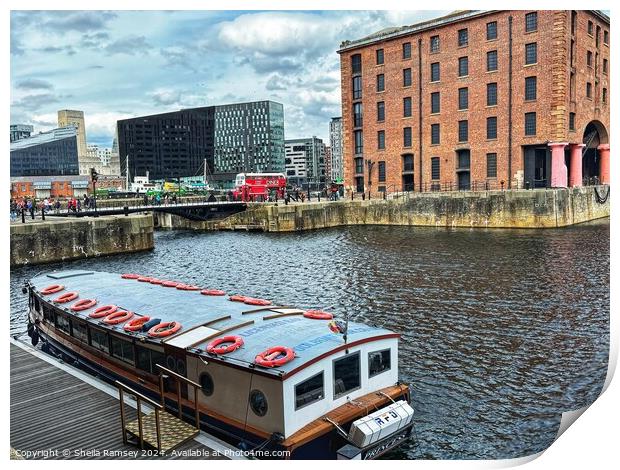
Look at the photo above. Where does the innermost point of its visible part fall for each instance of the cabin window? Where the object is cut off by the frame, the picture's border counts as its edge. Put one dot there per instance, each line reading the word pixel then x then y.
pixel 62 323
pixel 258 403
pixel 48 313
pixel 122 349
pixel 147 358
pixel 99 340
pixel 309 391
pixel 206 384
pixel 378 361
pixel 346 374
pixel 79 330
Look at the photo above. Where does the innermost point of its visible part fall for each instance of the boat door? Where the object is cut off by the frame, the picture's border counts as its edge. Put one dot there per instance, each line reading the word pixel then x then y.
pixel 175 361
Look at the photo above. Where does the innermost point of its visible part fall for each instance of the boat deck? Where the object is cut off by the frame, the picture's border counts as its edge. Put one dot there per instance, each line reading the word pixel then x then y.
pixel 60 415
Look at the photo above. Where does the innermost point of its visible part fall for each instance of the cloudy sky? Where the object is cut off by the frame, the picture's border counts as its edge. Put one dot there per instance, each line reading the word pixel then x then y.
pixel 114 65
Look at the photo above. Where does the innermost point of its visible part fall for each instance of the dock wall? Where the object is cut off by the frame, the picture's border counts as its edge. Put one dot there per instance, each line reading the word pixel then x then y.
pixel 58 239
pixel 542 208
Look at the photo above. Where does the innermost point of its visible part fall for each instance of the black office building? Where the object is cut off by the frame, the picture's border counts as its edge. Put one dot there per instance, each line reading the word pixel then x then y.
pixel 233 138
pixel 168 145
pixel 46 154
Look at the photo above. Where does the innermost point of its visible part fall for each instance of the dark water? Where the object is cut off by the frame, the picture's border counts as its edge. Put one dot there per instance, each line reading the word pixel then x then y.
pixel 502 330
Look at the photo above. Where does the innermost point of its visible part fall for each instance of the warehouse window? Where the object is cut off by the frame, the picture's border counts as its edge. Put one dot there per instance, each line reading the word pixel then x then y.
pixel 531 55
pixel 356 63
pixel 531 22
pixel 491 61
pixel 605 37
pixel 381 140
pixel 380 82
pixel 491 30
pixel 463 66
pixel 492 127
pixel 463 98
pixel 435 102
pixel 491 165
pixel 379 56
pixel 407 137
pixel 359 144
pixel 463 131
pixel 407 112
pixel 435 134
pixel 604 95
pixel 407 50
pixel 381 171
pixel 590 28
pixel 357 88
pixel 381 111
pixel 406 77
pixel 435 168
pixel 491 94
pixel 530 88
pixel 589 90
pixel 463 37
pixel 435 74
pixel 530 123
pixel 589 58
pixel 434 44
pixel 357 115
pixel 571 121
pixel 605 65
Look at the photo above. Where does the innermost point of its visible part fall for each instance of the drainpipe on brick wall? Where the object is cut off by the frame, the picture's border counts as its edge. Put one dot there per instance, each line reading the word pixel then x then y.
pixel 419 114
pixel 509 102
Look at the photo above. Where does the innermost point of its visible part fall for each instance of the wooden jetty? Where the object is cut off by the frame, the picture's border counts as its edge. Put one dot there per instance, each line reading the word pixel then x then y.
pixel 59 412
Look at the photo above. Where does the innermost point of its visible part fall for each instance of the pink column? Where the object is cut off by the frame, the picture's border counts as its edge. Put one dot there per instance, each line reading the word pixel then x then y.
pixel 558 166
pixel 576 177
pixel 603 152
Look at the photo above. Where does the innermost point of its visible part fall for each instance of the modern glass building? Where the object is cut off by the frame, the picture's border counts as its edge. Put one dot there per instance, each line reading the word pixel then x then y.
pixel 20 131
pixel 232 138
pixel 48 153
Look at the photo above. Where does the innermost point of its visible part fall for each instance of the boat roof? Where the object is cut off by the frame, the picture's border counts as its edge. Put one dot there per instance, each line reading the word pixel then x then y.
pixel 205 317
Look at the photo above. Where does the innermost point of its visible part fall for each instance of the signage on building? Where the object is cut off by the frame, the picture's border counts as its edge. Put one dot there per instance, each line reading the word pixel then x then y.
pixel 79 184
pixel 42 185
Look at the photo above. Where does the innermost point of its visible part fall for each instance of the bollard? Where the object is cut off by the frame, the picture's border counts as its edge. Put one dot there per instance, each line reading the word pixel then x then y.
pixel 23 216
pixel 42 213
pixel 126 211
pixel 319 196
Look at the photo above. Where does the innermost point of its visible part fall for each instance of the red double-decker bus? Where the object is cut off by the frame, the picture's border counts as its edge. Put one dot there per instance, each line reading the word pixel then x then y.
pixel 259 186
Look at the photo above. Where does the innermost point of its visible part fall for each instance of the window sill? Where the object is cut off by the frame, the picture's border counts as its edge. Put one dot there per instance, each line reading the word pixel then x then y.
pixel 407 86
pixel 435 114
pixel 382 91
pixel 434 145
pixel 531 32
pixel 464 109
pixel 529 135
pixel 436 82
pixel 434 52
pixel 530 101
pixel 463 76
pixel 491 106
pixel 491 40
pixel 462 46
pixel 493 71
pixel 530 65
pixel 492 140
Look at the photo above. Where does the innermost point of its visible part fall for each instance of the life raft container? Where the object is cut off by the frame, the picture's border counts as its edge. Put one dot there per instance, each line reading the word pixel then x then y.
pixel 155 281
pixel 83 304
pixel 253 301
pixel 117 317
pixel 237 298
pixel 318 315
pixel 169 283
pixel 217 345
pixel 212 292
pixel 103 311
pixel 130 276
pixel 66 297
pixel 136 324
pixel 144 279
pixel 275 357
pixel 52 289
pixel 166 328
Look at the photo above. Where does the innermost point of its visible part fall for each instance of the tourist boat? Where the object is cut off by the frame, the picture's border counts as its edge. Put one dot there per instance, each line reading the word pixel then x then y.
pixel 298 383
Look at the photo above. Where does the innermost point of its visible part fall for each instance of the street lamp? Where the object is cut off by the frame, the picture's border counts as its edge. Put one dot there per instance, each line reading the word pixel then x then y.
pixel 370 164
pixel 94 176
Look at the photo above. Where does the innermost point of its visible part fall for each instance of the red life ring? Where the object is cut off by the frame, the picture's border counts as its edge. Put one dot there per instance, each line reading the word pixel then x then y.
pixel 83 304
pixel 66 297
pixel 318 315
pixel 214 346
pixel 187 287
pixel 169 283
pixel 136 324
pixel 155 281
pixel 130 276
pixel 117 317
pixel 52 289
pixel 103 311
pixel 253 301
pixel 166 328
pixel 271 357
pixel 237 298
pixel 212 292
pixel 144 279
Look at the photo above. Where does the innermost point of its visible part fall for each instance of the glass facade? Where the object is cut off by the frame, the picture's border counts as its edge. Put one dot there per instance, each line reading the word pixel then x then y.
pixel 49 153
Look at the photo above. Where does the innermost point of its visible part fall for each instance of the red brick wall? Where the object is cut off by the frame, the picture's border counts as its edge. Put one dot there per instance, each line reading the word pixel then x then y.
pixel 551 106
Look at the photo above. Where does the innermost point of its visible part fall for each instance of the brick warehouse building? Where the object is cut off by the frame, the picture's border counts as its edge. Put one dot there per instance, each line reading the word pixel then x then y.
pixel 478 99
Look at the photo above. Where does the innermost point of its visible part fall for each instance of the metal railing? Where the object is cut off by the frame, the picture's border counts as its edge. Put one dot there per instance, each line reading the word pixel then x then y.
pixel 122 389
pixel 163 373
